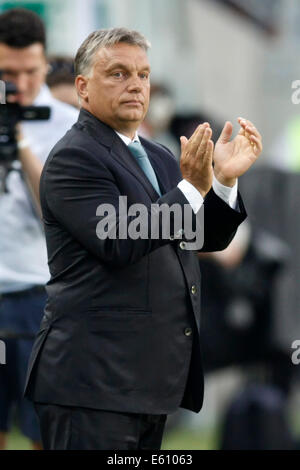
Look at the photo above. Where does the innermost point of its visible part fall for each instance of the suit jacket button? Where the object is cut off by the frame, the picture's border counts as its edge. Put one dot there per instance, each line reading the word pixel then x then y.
pixel 193 289
pixel 188 331
pixel 182 245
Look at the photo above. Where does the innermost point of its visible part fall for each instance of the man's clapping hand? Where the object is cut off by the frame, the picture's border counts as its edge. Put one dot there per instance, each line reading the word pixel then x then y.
pixel 196 158
pixel 232 158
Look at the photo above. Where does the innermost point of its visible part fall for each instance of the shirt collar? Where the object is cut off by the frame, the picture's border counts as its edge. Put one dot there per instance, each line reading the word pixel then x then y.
pixel 126 139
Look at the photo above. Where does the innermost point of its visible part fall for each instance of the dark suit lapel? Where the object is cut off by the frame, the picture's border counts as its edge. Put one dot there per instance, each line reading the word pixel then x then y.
pixel 119 151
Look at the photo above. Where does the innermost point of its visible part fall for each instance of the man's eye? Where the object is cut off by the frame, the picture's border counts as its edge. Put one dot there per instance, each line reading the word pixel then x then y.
pixel 144 76
pixel 118 74
pixel 8 75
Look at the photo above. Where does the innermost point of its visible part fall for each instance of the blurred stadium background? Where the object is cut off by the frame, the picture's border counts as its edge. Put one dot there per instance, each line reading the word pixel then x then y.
pixel 217 60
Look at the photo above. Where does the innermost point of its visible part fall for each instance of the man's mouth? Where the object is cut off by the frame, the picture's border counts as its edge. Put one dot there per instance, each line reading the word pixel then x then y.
pixel 20 97
pixel 133 103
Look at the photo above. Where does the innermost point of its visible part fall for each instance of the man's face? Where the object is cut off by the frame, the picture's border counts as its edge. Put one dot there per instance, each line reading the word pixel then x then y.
pixel 25 67
pixel 118 88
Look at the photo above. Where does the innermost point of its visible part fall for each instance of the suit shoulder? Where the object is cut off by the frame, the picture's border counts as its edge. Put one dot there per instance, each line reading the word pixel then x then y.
pixel 75 153
pixel 74 138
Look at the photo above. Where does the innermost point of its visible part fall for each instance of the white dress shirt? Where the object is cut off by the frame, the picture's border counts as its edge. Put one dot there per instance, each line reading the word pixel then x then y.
pixel 23 254
pixel 226 193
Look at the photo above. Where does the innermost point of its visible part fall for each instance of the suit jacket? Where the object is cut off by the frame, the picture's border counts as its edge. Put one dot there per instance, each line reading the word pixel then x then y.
pixel 121 324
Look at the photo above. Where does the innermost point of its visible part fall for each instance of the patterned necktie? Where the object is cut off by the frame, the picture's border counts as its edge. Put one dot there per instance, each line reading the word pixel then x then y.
pixel 142 159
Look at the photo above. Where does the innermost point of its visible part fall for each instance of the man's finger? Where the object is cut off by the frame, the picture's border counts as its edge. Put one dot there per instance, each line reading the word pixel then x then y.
pixel 257 142
pixel 203 145
pixel 243 123
pixel 198 131
pixel 249 126
pixel 226 133
pixel 183 142
pixel 208 158
pixel 253 131
pixel 195 141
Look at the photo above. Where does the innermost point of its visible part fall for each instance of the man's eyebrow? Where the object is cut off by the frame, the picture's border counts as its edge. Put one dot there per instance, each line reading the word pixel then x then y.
pixel 116 65
pixel 13 71
pixel 121 65
pixel 147 67
pixel 8 70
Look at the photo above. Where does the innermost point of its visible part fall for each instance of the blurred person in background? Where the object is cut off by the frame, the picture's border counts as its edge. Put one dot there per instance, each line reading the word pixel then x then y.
pixel 23 257
pixel 238 303
pixel 157 123
pixel 60 79
pixel 277 212
pixel 238 310
pixel 285 151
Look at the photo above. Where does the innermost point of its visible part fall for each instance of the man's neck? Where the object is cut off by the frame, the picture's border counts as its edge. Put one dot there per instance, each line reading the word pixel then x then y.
pixel 127 131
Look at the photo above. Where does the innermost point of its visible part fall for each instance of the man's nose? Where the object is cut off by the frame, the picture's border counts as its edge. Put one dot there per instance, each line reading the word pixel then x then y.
pixel 135 84
pixel 21 82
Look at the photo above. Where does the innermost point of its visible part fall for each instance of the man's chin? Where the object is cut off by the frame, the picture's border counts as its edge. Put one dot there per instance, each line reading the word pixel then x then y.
pixel 25 100
pixel 133 116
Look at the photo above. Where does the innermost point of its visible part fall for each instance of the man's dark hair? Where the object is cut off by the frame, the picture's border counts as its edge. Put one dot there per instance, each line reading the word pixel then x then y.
pixel 20 28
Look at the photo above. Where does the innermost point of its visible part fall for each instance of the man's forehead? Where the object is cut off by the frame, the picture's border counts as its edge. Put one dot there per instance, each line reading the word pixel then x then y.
pixel 121 53
pixel 19 58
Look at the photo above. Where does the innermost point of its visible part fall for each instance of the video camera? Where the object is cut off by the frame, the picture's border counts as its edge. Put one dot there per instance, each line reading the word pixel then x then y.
pixel 10 115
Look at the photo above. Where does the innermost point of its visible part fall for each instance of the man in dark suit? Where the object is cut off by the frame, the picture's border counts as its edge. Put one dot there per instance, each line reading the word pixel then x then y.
pixel 119 345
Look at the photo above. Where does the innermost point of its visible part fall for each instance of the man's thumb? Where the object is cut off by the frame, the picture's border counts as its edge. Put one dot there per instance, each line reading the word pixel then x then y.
pixel 226 133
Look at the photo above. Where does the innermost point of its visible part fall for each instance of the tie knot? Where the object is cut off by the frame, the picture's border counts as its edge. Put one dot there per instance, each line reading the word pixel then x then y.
pixel 137 149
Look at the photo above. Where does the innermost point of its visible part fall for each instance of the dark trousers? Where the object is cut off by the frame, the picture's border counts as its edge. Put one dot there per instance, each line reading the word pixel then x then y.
pixel 72 428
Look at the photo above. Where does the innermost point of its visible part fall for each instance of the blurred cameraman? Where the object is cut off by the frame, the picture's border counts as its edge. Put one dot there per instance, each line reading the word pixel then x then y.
pixel 23 259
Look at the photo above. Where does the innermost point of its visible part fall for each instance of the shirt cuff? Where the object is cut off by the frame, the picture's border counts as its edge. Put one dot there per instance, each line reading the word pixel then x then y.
pixel 226 193
pixel 192 195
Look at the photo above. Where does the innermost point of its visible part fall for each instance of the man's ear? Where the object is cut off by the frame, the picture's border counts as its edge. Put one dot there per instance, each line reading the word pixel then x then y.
pixel 81 87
